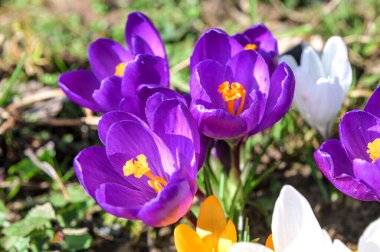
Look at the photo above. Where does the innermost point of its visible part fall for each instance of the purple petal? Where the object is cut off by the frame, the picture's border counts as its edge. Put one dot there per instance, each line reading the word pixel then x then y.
pixel 253 114
pixel 217 123
pixel 144 91
pixel 357 129
pixel 170 205
pixel 369 174
pixel 128 139
pixel 205 81
pixel 249 69
pixel 121 201
pixel 79 85
pixel 92 168
pixel 142 37
pixel 267 45
pixel 110 118
pixel 280 96
pixel 134 105
pixel 104 55
pixel 108 96
pixel 216 45
pixel 373 104
pixel 174 124
pixel 145 69
pixel 334 163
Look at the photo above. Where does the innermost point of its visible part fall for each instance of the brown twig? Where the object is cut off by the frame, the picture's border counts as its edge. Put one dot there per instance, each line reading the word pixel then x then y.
pixel 49 170
pixel 180 66
pixel 45 95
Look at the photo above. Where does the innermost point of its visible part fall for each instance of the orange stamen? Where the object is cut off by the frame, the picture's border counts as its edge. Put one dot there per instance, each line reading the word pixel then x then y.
pixel 141 168
pixel 250 47
pixel 119 69
pixel 231 93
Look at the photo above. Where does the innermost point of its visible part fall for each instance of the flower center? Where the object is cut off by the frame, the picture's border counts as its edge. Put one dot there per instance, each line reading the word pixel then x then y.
pixel 250 47
pixel 119 69
pixel 374 149
pixel 231 93
pixel 141 168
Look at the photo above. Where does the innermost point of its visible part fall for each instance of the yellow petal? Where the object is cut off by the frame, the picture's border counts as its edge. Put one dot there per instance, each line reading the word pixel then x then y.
pixel 211 218
pixel 228 237
pixel 211 242
pixel 187 240
pixel 269 242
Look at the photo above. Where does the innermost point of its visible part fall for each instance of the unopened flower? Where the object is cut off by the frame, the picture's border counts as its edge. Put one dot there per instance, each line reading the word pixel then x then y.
pixel 116 70
pixel 321 83
pixel 233 94
pixel 146 170
pixel 294 228
pixel 213 233
pixel 353 164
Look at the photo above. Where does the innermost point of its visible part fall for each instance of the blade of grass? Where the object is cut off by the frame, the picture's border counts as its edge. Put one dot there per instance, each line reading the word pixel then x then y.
pixel 9 84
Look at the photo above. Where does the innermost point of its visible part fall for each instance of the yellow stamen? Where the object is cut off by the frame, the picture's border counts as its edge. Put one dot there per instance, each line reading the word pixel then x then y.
pixel 231 93
pixel 374 149
pixel 141 168
pixel 119 69
pixel 250 47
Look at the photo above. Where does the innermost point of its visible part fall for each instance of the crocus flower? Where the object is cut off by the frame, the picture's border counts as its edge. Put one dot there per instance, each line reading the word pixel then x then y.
pixel 294 228
pixel 116 69
pixel 322 83
pixel 233 94
pixel 213 233
pixel 146 170
pixel 353 164
pixel 259 38
pixel 369 241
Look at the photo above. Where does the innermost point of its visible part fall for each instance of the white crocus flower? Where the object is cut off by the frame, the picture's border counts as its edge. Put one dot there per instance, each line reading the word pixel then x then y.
pixel 321 83
pixel 370 239
pixel 296 229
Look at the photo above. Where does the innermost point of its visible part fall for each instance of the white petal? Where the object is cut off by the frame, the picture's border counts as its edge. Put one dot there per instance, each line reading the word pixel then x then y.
pixel 311 63
pixel 316 243
pixel 370 239
pixel 289 60
pixel 340 247
pixel 327 101
pixel 336 63
pixel 293 220
pixel 249 247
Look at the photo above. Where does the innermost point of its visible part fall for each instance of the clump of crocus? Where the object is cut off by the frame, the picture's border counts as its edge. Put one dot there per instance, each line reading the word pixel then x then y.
pixel 116 70
pixel 353 164
pixel 213 233
pixel 294 228
pixel 146 170
pixel 260 39
pixel 322 83
pixel 233 94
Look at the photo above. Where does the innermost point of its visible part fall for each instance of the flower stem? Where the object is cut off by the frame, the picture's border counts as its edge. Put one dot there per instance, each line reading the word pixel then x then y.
pixel 190 217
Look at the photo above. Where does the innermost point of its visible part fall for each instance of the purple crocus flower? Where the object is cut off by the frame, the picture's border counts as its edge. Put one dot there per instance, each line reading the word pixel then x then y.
pixel 115 69
pixel 233 94
pixel 353 164
pixel 146 170
pixel 259 38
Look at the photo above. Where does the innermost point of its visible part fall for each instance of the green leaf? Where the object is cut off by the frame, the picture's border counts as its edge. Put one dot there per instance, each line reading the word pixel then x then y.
pixel 14 242
pixel 37 218
pixel 76 239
